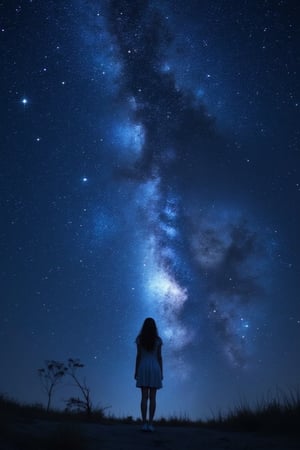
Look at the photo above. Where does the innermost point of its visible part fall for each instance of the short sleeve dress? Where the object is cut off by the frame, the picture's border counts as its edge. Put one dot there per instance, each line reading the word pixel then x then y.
pixel 149 371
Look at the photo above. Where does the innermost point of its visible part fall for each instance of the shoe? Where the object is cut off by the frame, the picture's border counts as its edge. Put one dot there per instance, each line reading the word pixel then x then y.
pixel 151 427
pixel 144 427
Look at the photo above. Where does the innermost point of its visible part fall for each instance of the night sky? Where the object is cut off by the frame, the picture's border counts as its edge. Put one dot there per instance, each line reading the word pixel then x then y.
pixel 150 166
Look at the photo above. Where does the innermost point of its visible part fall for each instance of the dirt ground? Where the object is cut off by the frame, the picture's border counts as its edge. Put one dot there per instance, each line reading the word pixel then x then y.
pixel 40 435
pixel 129 437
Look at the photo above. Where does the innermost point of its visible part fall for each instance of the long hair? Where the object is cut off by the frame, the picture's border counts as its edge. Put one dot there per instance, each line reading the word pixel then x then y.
pixel 148 334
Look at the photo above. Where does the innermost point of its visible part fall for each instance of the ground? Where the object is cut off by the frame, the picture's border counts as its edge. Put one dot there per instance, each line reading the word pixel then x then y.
pixel 43 435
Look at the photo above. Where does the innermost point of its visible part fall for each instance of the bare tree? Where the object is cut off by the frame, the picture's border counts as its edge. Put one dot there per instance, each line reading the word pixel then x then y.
pixel 50 376
pixel 84 404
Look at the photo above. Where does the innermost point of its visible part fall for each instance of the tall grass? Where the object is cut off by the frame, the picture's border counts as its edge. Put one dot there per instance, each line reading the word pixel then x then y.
pixel 10 408
pixel 279 414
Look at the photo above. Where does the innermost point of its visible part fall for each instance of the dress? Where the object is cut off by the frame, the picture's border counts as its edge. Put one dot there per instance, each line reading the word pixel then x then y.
pixel 149 371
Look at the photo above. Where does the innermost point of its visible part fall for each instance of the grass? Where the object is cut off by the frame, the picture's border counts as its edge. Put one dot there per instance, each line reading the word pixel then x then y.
pixel 280 414
pixel 10 408
pixel 63 431
pixel 182 420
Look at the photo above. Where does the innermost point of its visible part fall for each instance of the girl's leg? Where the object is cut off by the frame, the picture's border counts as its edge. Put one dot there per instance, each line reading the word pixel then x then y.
pixel 152 404
pixel 144 401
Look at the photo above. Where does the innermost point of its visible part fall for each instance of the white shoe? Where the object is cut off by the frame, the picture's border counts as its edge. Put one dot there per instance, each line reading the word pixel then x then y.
pixel 151 427
pixel 145 427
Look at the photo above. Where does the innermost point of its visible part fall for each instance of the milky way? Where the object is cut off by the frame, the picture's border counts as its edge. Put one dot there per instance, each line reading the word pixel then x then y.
pixel 193 253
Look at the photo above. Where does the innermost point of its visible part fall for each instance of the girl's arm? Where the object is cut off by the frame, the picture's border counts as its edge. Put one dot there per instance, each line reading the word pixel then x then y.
pixel 160 362
pixel 137 360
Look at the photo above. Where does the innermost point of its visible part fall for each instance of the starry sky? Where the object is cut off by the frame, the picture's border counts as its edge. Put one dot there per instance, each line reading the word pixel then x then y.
pixel 150 167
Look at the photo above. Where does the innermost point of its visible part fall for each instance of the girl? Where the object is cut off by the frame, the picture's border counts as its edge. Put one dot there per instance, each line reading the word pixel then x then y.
pixel 148 369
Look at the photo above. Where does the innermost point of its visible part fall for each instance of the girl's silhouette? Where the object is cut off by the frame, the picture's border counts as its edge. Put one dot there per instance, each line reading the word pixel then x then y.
pixel 148 369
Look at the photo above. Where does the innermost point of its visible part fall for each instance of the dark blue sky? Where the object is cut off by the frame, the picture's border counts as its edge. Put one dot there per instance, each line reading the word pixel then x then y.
pixel 150 166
